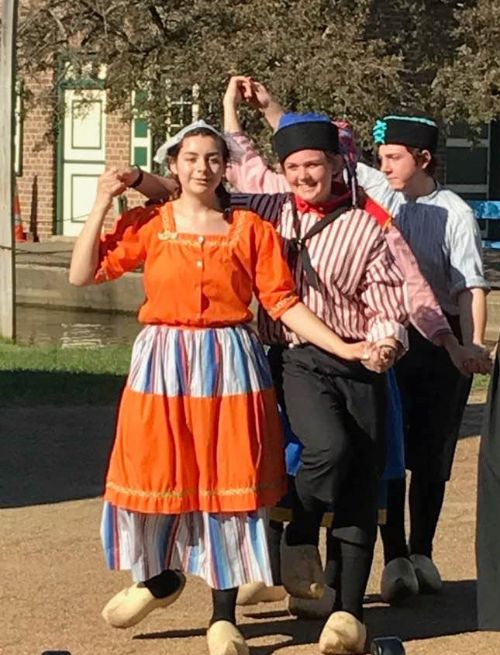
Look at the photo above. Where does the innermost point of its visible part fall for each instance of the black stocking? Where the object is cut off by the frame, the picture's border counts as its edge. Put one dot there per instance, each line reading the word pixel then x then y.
pixel 224 605
pixel 393 532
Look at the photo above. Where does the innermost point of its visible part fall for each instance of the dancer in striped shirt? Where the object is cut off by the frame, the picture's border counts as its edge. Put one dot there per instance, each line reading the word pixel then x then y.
pixel 336 411
pixel 441 230
pixel 250 173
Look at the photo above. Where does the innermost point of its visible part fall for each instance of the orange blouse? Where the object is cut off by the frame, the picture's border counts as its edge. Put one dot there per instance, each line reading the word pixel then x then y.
pixel 199 280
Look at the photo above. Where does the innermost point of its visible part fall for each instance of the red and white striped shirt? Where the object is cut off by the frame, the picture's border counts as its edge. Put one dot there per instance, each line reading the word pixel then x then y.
pixel 360 292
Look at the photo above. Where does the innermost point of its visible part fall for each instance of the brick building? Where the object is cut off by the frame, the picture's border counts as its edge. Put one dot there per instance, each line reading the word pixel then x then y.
pixel 56 177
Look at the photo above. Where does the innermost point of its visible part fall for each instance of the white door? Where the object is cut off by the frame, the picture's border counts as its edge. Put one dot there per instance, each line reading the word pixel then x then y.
pixel 83 155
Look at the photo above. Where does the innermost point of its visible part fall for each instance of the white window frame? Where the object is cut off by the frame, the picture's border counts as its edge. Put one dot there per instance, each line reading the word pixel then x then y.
pixel 171 128
pixel 192 103
pixel 18 131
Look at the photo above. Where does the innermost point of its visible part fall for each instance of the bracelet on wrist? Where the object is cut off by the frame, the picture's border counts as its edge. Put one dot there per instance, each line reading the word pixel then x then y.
pixel 138 179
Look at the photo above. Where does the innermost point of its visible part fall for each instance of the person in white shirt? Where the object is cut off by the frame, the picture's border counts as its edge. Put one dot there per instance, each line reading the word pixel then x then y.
pixel 441 230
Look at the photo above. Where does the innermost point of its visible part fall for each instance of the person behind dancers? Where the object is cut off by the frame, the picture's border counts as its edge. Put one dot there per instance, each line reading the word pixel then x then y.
pixel 442 233
pixel 488 510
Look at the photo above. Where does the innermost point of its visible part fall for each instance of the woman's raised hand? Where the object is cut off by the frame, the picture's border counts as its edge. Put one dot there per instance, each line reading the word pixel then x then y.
pixel 127 175
pixel 238 90
pixel 109 186
pixel 260 98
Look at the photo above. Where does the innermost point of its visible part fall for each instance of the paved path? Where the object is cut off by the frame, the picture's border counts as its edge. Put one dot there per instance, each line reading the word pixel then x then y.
pixel 54 582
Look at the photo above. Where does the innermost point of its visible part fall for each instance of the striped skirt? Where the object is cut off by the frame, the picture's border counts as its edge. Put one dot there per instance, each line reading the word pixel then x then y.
pixel 226 550
pixel 197 459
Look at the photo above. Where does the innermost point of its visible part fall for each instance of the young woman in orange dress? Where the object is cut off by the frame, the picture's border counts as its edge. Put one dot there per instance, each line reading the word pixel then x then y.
pixel 198 455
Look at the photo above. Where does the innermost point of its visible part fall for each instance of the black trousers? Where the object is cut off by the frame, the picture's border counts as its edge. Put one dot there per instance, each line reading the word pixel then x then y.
pixel 337 410
pixel 434 395
pixel 488 512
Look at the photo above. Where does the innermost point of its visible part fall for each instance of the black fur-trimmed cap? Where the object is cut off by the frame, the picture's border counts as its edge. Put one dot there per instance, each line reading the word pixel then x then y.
pixel 305 132
pixel 412 131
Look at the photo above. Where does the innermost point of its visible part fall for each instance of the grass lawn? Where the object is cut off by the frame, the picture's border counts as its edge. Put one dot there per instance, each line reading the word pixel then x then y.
pixel 40 375
pixel 31 375
pixel 480 382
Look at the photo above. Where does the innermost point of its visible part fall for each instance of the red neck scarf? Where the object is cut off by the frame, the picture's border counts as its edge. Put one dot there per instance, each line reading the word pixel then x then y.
pixel 340 196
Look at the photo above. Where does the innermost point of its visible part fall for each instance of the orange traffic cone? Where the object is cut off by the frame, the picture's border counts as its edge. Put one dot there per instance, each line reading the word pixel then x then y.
pixel 19 234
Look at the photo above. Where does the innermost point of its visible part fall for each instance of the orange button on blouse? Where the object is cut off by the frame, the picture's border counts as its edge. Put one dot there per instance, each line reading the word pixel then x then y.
pixel 199 280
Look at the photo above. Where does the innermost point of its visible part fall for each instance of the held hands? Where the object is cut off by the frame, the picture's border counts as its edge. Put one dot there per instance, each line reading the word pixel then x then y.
pixel 471 359
pixel 127 175
pixel 381 355
pixel 109 186
pixel 260 99
pixel 245 89
pixel 481 361
pixel 168 185
pixel 377 357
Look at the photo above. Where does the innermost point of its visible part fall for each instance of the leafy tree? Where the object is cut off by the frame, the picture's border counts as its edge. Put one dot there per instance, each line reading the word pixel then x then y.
pixel 467 88
pixel 449 51
pixel 355 59
pixel 312 53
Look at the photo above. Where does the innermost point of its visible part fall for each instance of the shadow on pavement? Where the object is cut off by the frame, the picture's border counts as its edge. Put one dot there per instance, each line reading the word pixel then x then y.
pixel 57 430
pixel 298 632
pixel 427 617
pixel 172 634
pixel 472 420
pixel 54 453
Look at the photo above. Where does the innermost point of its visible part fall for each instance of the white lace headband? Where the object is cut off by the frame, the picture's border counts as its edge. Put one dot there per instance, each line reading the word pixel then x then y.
pixel 235 151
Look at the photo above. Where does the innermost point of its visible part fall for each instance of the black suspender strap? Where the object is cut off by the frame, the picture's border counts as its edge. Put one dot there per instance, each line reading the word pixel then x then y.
pixel 298 243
